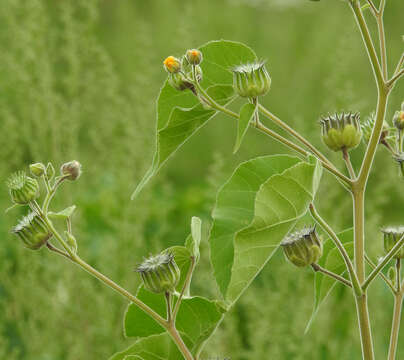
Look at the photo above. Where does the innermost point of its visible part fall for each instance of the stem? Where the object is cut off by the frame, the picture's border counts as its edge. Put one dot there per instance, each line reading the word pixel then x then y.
pixel 326 163
pixel 384 262
pixel 373 7
pixel 173 332
pixel 56 250
pixel 395 327
pixel 354 280
pixel 318 268
pixel 168 303
pixel 398 303
pixel 400 63
pixel 348 163
pixel 184 288
pixel 391 82
pixel 382 39
pixel 50 194
pixel 387 281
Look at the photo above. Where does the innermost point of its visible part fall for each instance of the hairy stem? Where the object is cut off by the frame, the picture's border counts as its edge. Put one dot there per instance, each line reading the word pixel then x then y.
pixel 398 304
pixel 185 287
pixel 354 280
pixel 387 281
pixel 318 268
pixel 348 163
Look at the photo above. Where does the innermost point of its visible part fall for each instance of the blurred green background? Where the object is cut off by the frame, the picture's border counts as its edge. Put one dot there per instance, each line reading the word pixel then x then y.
pixel 79 79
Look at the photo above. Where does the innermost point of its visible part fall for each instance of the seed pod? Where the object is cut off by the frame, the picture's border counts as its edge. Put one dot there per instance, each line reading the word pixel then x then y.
pixel 398 120
pixel 392 274
pixel 71 169
pixel 390 236
pixel 303 247
pixel 32 231
pixel 172 64
pixel 23 189
pixel 37 169
pixel 251 80
pixel 160 273
pixel 194 56
pixel 341 131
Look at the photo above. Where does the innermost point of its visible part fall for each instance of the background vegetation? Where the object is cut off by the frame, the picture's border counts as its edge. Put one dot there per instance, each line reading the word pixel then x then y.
pixel 78 80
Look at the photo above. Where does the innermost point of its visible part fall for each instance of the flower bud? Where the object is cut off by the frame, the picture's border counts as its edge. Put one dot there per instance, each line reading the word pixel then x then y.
pixel 32 231
pixel 251 80
pixel 172 64
pixel 303 247
pixel 160 273
pixel 71 169
pixel 390 236
pixel 398 120
pixel 341 131
pixel 23 189
pixel 37 169
pixel 194 56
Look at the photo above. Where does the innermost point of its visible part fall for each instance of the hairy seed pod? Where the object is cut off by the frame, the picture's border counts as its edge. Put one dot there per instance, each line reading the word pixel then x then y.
pixel 398 120
pixel 159 273
pixel 23 189
pixel 367 128
pixel 71 169
pixel 32 231
pixel 341 131
pixel 391 235
pixel 251 80
pixel 303 247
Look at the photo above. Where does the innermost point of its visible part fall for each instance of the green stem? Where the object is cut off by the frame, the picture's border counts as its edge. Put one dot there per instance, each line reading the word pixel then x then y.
pixel 185 287
pixel 173 332
pixel 168 304
pixel 387 281
pixel 383 263
pixel 354 280
pixel 398 303
pixel 391 82
pixel 348 163
pixel 382 39
pixel 318 268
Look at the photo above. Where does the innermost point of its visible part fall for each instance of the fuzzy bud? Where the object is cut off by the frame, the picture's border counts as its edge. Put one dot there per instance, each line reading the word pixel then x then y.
pixel 194 56
pixel 251 80
pixel 303 248
pixel 23 189
pixel 32 231
pixel 172 65
pixel 341 131
pixel 367 128
pixel 390 236
pixel 37 169
pixel 71 169
pixel 398 120
pixel 160 273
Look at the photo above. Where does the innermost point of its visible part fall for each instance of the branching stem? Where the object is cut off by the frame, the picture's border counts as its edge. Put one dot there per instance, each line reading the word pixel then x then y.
pixel 318 268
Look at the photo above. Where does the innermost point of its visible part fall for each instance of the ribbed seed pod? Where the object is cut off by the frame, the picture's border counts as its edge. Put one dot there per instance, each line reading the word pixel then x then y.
pixel 303 247
pixel 159 273
pixel 341 131
pixel 390 237
pixel 367 128
pixel 251 80
pixel 23 188
pixel 32 231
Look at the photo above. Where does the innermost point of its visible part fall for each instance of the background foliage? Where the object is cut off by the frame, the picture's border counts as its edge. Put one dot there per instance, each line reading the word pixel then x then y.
pixel 78 80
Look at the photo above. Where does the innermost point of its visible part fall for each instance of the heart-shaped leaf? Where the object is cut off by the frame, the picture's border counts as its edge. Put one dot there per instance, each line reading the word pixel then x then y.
pixel 246 114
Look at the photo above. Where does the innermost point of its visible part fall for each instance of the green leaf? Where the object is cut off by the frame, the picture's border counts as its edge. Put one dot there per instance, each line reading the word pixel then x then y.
pixel 254 210
pixel 196 320
pixel 193 241
pixel 155 347
pixel 179 113
pixel 133 357
pixel 182 257
pixel 246 114
pixel 64 214
pixel 333 261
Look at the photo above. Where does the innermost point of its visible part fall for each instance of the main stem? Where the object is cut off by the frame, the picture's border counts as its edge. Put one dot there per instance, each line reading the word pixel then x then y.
pixel 395 327
pixel 359 262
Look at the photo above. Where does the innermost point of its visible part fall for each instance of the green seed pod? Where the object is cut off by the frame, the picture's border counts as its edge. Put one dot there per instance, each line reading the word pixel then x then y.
pixel 390 236
pixel 23 189
pixel 303 247
pixel 160 273
pixel 32 231
pixel 341 131
pixel 194 56
pixel 392 274
pixel 398 120
pixel 37 169
pixel 71 169
pixel 251 80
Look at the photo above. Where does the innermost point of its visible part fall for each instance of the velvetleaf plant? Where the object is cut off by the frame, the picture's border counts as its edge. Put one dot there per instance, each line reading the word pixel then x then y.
pixel 257 210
